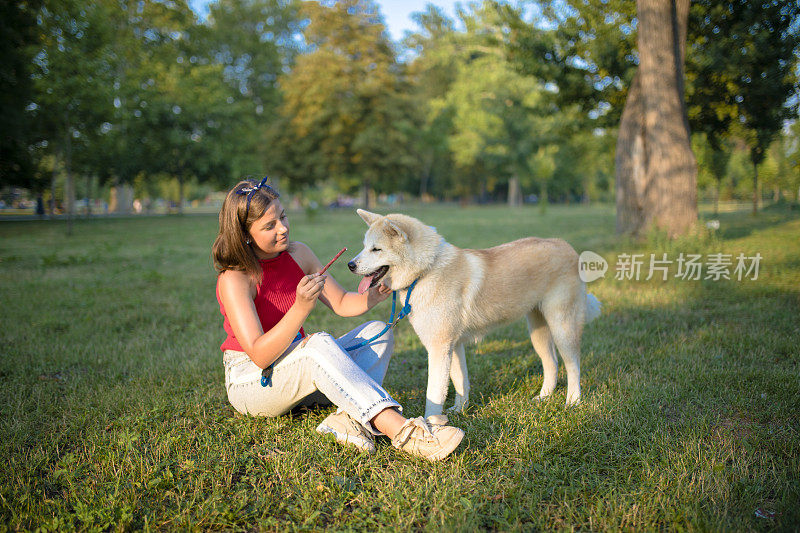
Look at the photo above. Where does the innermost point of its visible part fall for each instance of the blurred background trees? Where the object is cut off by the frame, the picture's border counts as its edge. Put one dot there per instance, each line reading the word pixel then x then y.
pixel 346 115
pixel 507 102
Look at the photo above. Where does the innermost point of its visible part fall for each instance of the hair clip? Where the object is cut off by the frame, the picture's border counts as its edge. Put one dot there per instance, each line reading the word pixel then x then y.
pixel 254 188
pixel 249 192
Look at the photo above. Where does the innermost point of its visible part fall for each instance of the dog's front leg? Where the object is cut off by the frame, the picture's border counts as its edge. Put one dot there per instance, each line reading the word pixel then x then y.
pixel 458 373
pixel 440 357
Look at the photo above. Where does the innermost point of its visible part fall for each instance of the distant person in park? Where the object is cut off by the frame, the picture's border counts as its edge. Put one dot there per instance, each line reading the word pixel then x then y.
pixel 266 288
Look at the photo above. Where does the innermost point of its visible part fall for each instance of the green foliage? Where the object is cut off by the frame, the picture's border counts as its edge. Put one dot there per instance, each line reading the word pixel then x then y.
pixel 255 42
pixel 742 69
pixel 726 172
pixel 18 39
pixel 73 78
pixel 127 89
pixel 345 115
pixel 431 73
pixel 121 90
pixel 172 108
pixel 586 48
pixel 741 66
pixel 493 117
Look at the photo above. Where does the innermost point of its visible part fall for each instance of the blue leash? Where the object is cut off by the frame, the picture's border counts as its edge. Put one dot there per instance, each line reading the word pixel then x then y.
pixel 266 374
pixel 404 312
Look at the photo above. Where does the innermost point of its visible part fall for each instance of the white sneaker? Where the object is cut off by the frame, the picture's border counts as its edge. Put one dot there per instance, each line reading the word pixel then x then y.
pixel 430 439
pixel 348 430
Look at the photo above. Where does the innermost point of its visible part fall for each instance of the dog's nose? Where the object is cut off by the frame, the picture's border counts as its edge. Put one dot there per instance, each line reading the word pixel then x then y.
pixel 352 266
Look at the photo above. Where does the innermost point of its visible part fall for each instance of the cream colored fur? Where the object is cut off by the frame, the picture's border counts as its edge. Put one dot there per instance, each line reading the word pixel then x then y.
pixel 461 294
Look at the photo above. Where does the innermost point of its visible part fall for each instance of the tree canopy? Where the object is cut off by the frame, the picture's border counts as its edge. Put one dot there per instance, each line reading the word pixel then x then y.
pixel 502 101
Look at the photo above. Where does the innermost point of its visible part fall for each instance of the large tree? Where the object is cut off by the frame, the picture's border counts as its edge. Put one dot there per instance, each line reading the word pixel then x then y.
pixel 431 70
pixel 739 53
pixel 345 110
pixel 656 168
pixel 73 77
pixel 741 72
pixel 18 40
pixel 255 42
pixel 584 48
pixel 174 115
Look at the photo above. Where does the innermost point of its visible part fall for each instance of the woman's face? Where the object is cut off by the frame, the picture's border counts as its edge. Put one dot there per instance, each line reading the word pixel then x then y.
pixel 270 233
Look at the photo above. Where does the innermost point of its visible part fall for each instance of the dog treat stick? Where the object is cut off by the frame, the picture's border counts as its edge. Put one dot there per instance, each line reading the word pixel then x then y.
pixel 343 250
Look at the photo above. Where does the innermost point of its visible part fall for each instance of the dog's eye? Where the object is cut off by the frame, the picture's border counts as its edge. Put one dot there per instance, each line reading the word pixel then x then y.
pixel 376 249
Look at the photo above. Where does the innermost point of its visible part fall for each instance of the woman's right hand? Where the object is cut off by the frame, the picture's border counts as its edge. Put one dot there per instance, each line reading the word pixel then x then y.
pixel 308 291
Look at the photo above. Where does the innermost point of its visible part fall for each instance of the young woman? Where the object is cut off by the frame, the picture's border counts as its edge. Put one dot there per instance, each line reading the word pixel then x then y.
pixel 267 286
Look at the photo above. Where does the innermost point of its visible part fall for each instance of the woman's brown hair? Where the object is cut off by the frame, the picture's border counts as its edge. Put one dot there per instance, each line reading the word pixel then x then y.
pixel 245 203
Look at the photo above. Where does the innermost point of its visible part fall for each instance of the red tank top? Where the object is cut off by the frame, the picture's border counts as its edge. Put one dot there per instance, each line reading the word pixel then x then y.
pixel 274 296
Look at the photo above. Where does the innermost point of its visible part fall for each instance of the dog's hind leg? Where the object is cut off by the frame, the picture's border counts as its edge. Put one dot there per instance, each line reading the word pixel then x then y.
pixel 458 373
pixel 440 358
pixel 542 341
pixel 566 326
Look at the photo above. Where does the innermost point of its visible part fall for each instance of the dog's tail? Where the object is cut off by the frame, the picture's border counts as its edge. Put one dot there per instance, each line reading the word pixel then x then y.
pixel 593 307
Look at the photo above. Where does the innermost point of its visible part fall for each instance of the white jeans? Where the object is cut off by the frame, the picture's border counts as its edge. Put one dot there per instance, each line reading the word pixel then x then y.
pixel 318 363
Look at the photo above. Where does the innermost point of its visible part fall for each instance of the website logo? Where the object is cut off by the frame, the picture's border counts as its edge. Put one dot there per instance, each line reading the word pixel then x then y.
pixel 591 266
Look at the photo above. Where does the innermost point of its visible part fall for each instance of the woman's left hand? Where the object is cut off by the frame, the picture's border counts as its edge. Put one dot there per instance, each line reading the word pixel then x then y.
pixel 377 294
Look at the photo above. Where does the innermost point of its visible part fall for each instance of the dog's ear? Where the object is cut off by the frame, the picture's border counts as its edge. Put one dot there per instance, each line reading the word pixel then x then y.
pixel 369 218
pixel 393 230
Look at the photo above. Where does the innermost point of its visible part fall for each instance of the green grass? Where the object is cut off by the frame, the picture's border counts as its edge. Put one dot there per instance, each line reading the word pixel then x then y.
pixel 113 413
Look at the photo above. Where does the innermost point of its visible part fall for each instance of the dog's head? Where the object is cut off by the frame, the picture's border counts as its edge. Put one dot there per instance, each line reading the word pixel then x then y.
pixel 397 249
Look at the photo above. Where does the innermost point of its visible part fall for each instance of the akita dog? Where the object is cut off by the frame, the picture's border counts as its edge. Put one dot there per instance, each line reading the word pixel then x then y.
pixel 460 294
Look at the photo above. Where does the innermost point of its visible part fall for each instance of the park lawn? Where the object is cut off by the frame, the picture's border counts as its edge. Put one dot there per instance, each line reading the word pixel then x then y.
pixel 114 414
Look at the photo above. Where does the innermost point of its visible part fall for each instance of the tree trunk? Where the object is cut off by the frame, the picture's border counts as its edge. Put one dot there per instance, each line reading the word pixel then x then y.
pixel 656 169
pixel 755 189
pixel 69 197
pixel 423 182
pixel 69 189
pixel 543 197
pixel 514 192
pixel 88 195
pixel 631 169
pixel 365 194
pixel 719 163
pixel 53 188
pixel 180 194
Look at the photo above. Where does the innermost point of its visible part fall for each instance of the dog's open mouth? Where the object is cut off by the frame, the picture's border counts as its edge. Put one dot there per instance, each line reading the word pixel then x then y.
pixel 370 280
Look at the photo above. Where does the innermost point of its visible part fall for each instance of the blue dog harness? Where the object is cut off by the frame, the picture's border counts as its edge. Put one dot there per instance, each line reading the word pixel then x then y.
pixel 266 374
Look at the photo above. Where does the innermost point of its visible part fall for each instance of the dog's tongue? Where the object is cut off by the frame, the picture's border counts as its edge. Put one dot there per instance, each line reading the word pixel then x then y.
pixel 363 286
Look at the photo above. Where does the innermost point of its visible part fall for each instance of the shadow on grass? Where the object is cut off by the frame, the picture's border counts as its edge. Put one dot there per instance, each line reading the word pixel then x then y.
pixel 704 389
pixel 740 225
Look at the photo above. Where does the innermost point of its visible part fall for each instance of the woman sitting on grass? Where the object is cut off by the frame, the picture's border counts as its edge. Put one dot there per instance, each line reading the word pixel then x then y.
pixel 266 288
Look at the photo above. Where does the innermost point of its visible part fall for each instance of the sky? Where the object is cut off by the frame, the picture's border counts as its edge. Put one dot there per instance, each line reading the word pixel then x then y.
pixel 397 13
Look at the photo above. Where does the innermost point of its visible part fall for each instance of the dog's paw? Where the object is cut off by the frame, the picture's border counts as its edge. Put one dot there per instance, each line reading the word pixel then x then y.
pixel 457 408
pixel 437 420
pixel 572 402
